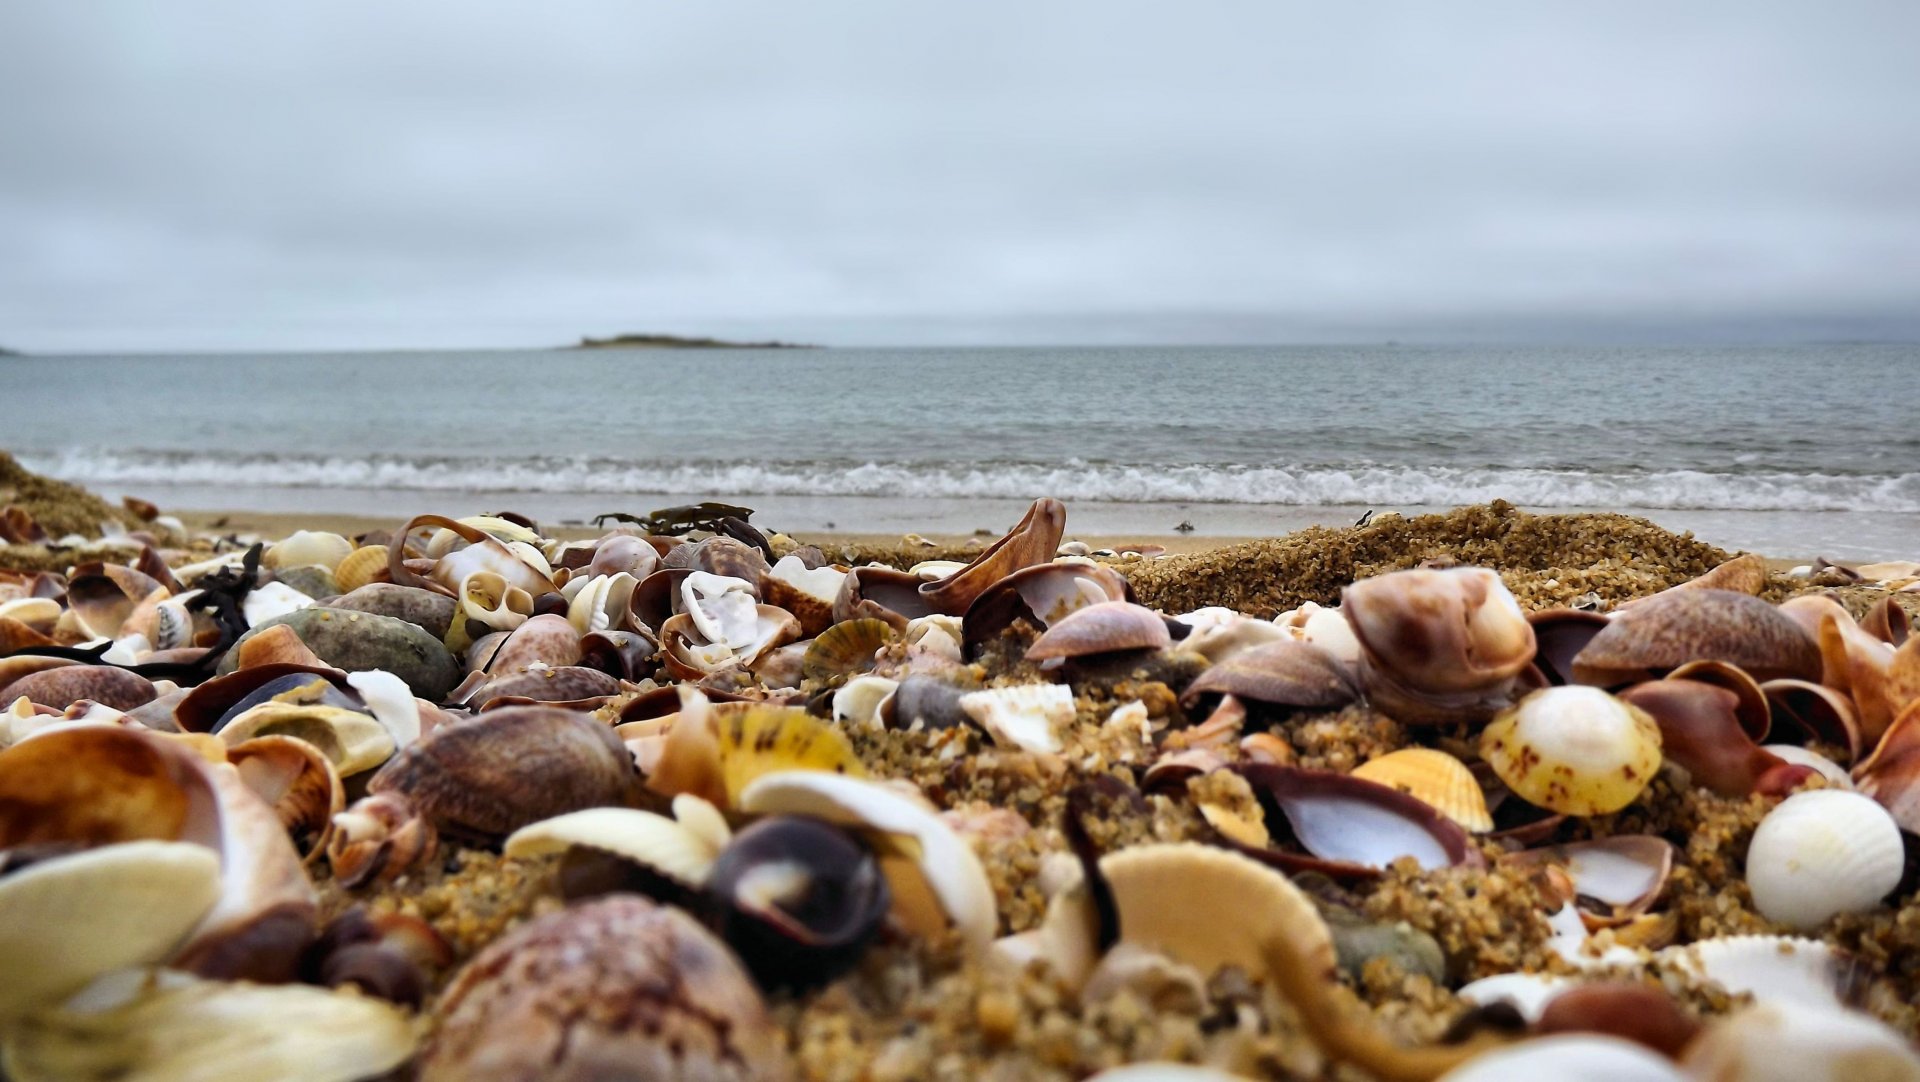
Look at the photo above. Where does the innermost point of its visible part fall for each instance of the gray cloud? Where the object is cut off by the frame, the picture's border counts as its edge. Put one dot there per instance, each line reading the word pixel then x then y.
pixel 232 175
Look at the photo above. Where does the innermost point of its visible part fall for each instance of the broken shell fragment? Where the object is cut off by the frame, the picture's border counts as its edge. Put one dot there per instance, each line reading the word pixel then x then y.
pixel 1823 853
pixel 1574 750
pixel 1028 716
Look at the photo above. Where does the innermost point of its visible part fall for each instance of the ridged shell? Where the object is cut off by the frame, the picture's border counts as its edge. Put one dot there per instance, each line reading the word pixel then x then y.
pixel 1772 969
pixel 714 751
pixel 66 920
pixel 361 567
pixel 1107 627
pixel 656 841
pixel 1775 1043
pixel 1435 778
pixel 1028 717
pixel 845 649
pixel 1573 750
pixel 1820 854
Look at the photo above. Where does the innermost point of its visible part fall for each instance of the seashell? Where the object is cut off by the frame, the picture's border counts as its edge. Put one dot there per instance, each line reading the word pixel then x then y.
pixel 1526 993
pixel 1823 853
pixel 36 613
pixel 1572 1057
pixel 612 988
pixel 1772 969
pixel 1352 827
pixel 485 598
pixel 1877 678
pixel 1574 750
pixel 1700 729
pixel 355 641
pixel 1287 674
pixel 1888 622
pixel 166 1025
pixel 675 850
pixel 1891 775
pixel 61 686
pixel 656 598
pixel 101 597
pixel 1625 873
pixel 271 599
pixel 380 838
pixel 507 768
pixel 1219 641
pixel 929 701
pixel 1323 627
pixel 307 548
pixel 880 593
pixel 1436 779
pixel 623 655
pixel 1041 595
pixel 715 751
pixel 859 700
pixel 626 554
pixel 1775 1043
pixel 1746 574
pixel 548 640
pixel 63 920
pixel 1667 630
pixel 846 649
pixel 569 683
pixel 1438 646
pixel 934 643
pixel 483 552
pixel 721 555
pixel 361 567
pixel 1810 711
pixel 1750 699
pixel 945 867
pixel 300 784
pixel 352 741
pixel 1794 755
pixel 1031 541
pixel 1149 976
pixel 721 608
pixel 1106 627
pixel 932 570
pixel 1559 635
pixel 1027 717
pixel 797 899
pixel 600 603
pixel 807 593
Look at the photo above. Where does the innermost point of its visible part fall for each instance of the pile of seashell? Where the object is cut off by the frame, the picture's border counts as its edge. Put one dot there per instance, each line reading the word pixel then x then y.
pixel 196 754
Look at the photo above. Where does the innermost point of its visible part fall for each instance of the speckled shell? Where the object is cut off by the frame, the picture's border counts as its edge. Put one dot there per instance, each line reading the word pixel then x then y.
pixel 1435 778
pixel 614 988
pixel 1573 750
pixel 1820 854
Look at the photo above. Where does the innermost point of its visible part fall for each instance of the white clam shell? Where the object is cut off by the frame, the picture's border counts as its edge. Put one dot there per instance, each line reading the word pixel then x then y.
pixel 859 701
pixel 1027 717
pixel 721 607
pixel 307 548
pixel 272 599
pixel 1823 853
pixel 670 847
pixel 1776 1043
pixel 1772 969
pixel 69 919
pixel 1571 1058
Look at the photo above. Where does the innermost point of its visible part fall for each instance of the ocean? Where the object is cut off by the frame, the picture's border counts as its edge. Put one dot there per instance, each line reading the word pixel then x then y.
pixel 1790 450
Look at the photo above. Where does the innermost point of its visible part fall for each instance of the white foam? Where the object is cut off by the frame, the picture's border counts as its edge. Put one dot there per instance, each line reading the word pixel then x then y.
pixel 1282 485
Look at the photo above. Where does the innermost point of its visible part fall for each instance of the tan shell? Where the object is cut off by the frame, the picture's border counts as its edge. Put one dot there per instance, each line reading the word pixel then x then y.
pixel 1435 778
pixel 167 1027
pixel 1287 672
pixel 1438 645
pixel 1574 750
pixel 361 567
pixel 1891 775
pixel 353 741
pixel 1031 541
pixel 612 988
pixel 806 593
pixel 548 639
pixel 65 921
pixel 1107 627
pixel 487 598
pixel 846 649
pixel 307 548
pixel 300 784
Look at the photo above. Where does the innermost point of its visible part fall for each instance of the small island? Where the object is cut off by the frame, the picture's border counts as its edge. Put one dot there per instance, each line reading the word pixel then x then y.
pixel 674 341
pixel 5 352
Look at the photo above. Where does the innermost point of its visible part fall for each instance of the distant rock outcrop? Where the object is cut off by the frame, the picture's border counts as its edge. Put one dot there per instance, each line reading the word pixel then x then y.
pixel 674 341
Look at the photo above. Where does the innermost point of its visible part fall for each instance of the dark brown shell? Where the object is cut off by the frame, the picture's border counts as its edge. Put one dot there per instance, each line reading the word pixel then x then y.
pixel 1808 711
pixel 1668 630
pixel 1290 673
pixel 507 768
pixel 618 988
pixel 1700 730
pixel 1559 635
pixel 202 708
pixel 1042 596
pixel 720 556
pixel 819 925
pixel 59 688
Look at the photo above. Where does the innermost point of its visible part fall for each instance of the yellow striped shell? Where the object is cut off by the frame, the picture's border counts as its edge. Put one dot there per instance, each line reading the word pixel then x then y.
pixel 1435 778
pixel 361 567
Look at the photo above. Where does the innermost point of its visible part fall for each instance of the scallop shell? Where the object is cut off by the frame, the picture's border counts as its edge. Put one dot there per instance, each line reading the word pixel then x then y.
pixel 945 864
pixel 1823 853
pixel 361 567
pixel 1573 750
pixel 670 847
pixel 846 649
pixel 1772 969
pixel 1028 717
pixel 1435 778
pixel 1107 627
pixel 714 751
pixel 66 920
pixel 1775 1043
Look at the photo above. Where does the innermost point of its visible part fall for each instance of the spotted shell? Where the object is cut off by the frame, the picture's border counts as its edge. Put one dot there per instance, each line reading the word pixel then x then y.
pixel 1573 750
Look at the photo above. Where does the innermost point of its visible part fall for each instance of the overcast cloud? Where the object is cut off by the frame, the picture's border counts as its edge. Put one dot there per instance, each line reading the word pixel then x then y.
pixel 229 175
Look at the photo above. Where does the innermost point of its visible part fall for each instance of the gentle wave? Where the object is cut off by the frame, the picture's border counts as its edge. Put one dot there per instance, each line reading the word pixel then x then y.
pixel 1306 486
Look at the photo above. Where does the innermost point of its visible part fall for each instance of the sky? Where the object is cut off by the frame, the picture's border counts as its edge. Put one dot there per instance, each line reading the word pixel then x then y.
pixel 234 175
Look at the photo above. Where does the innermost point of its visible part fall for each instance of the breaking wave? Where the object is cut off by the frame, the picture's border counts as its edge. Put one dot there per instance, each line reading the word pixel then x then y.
pixel 1285 485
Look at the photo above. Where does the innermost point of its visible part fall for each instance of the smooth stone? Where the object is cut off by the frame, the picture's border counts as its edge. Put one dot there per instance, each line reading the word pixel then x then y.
pixel 424 609
pixel 358 641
